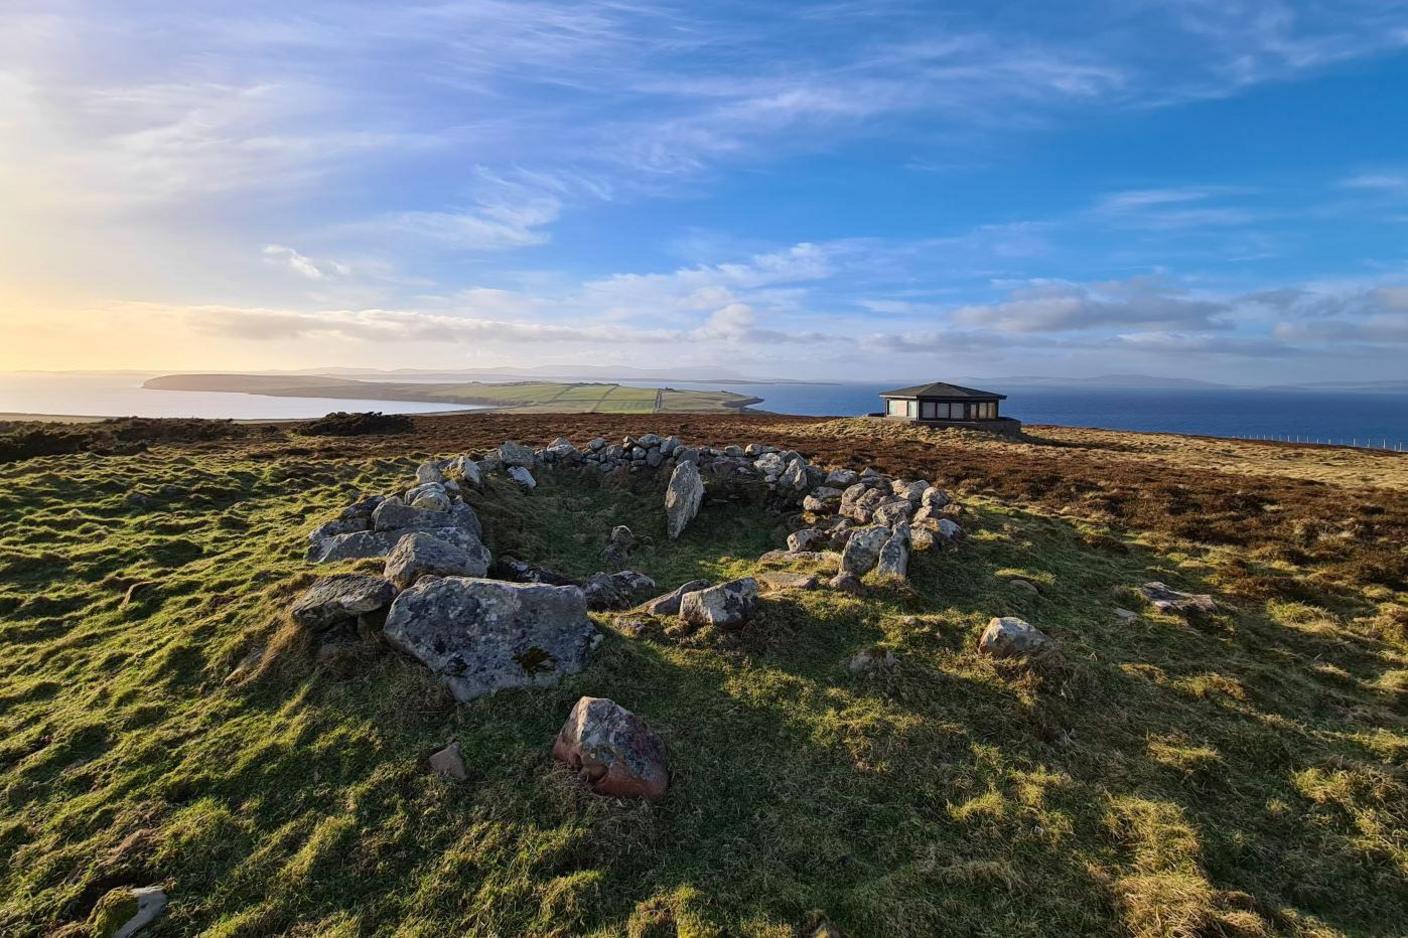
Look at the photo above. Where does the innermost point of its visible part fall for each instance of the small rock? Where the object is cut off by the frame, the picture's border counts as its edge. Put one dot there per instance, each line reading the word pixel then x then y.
pixel 121 913
pixel 432 500
pixel 949 530
pixel 1166 599
pixel 339 598
pixel 1011 637
pixel 612 750
pixel 515 455
pixel 1126 615
pixel 1025 586
pixel 420 554
pixel 669 604
pixel 934 498
pixel 726 606
pixel 892 512
pixel 842 478
pixel 778 581
pixel 618 547
pixel 893 560
pixel 523 477
pixel 920 537
pixel 794 477
pixel 846 583
pixel 449 763
pixel 807 539
pixel 863 549
pixel 429 472
pixel 871 659
pixel 616 590
pixel 469 469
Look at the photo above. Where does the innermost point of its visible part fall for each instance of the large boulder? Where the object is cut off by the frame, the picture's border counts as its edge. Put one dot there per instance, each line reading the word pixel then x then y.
pixel 683 496
pixel 863 549
pixel 612 750
pixel 481 636
pixel 339 598
pixel 726 606
pixel 617 590
pixel 1011 637
pixel 421 554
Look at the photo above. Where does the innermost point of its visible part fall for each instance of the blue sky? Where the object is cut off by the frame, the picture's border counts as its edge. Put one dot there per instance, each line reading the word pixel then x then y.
pixel 871 190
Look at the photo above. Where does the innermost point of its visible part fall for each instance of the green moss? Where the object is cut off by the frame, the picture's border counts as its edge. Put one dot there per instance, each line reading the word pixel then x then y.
pixel 113 911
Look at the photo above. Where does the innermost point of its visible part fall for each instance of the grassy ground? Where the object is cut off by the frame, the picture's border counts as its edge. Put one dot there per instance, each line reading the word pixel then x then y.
pixel 1241 776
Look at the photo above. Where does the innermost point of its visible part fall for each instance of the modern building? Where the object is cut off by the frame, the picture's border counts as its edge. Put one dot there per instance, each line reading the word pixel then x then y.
pixel 949 405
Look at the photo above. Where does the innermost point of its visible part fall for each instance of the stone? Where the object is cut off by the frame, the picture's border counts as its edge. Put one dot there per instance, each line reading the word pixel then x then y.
pixel 794 477
pixel 1024 586
pixel 123 912
pixel 612 750
pixel 687 454
pixel 863 549
pixel 352 546
pixel 339 598
pixel 395 515
pixel 1011 637
pixel 861 507
pixel 920 537
pixel 778 581
pixel 469 471
pixel 912 492
pixel 481 636
pixel 683 495
pixel 670 444
pixel 846 583
pixel 842 478
pixel 949 529
pixel 726 606
pixel 521 571
pixel 523 477
pixel 647 440
pixel 429 472
pixel 892 511
pixel 1166 599
pixel 654 457
pixel 893 560
pixel 934 498
pixel 449 763
pixel 1126 615
pixel 420 553
pixel 769 464
pixel 513 454
pixel 669 603
pixel 561 449
pixel 616 590
pixel 735 451
pixel 618 548
pixel 807 539
pixel 871 659
pixel 597 444
pixel 432 500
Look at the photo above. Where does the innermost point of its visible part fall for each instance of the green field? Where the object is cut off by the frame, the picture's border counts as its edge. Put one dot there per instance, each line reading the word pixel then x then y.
pixel 520 396
pixel 1241 776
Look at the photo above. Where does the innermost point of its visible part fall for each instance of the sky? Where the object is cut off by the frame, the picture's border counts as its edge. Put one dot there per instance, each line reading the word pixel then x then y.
pixel 875 190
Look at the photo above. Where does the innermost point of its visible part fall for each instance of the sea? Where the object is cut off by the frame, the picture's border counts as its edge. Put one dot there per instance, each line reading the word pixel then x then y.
pixel 122 395
pixel 1378 419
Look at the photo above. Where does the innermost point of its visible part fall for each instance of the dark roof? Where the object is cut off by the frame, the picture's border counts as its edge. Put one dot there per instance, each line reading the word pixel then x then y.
pixel 942 389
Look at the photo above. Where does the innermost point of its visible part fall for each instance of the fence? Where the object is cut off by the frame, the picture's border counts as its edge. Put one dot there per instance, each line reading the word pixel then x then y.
pixel 1377 443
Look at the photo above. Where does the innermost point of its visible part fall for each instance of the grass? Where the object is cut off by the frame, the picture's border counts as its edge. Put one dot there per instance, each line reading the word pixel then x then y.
pixel 1241 776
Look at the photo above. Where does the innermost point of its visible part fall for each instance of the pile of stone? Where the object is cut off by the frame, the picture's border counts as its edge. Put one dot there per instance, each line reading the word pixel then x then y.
pixel 482 625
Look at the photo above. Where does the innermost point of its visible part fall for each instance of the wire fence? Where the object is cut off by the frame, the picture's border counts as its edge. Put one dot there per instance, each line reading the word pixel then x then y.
pixel 1375 443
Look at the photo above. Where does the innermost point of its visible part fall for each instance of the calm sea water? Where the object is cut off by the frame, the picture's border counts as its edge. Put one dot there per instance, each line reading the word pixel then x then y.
pixel 1316 415
pixel 109 395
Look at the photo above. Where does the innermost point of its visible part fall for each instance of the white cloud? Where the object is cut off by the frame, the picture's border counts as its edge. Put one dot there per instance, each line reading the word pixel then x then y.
pixel 303 265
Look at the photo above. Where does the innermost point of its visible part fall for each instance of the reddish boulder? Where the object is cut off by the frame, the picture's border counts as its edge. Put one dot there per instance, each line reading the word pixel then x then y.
pixel 613 750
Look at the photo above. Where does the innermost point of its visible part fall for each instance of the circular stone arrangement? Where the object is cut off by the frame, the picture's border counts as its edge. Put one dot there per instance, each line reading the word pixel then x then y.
pixel 481 626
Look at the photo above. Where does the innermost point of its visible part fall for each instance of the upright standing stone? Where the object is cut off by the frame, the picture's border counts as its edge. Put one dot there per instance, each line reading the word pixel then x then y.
pixel 682 497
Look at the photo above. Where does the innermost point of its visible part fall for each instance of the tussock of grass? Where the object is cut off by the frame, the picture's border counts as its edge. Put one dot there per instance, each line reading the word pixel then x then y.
pixel 1154 778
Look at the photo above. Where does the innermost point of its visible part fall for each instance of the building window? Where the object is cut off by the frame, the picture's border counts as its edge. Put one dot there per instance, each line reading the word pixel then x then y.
pixel 913 409
pixel 927 410
pixel 941 411
pixel 897 408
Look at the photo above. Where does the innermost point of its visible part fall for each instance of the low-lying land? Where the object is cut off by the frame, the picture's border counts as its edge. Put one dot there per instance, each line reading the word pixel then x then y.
pixel 517 396
pixel 1240 774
